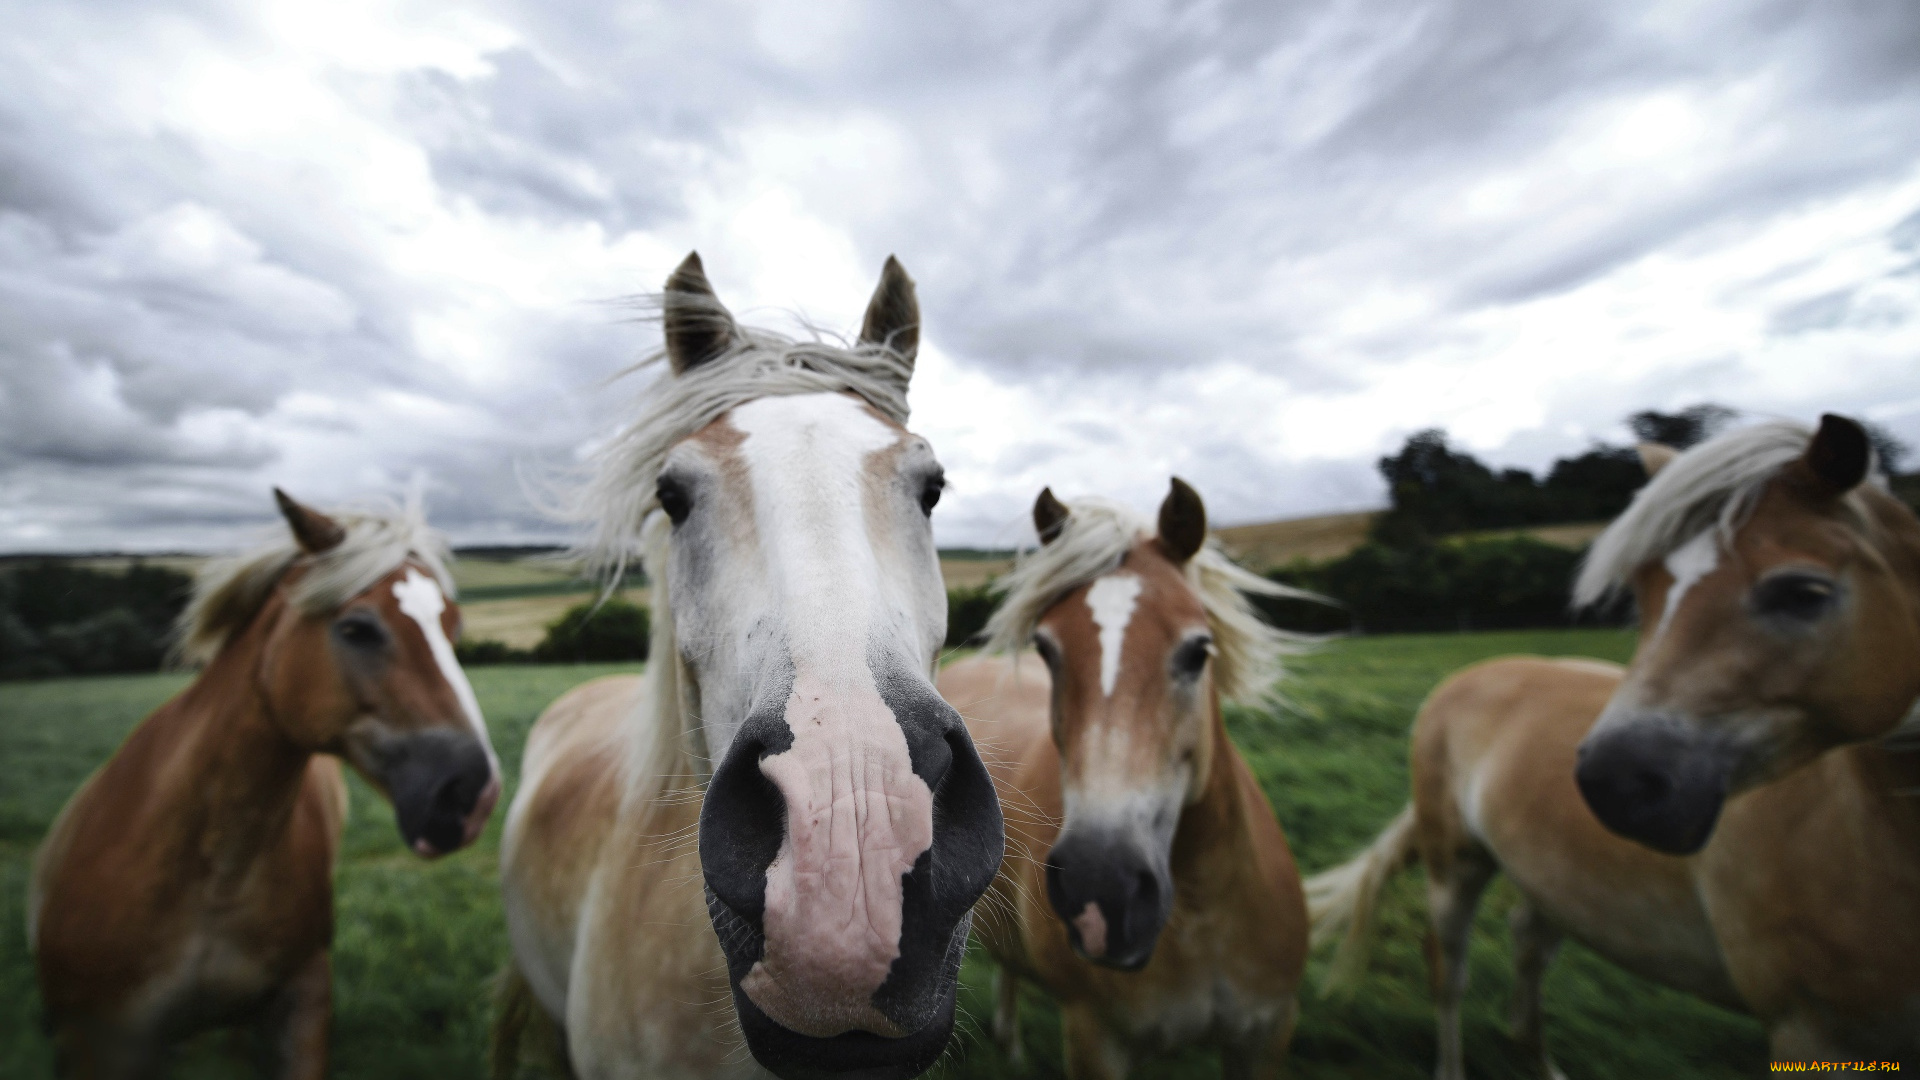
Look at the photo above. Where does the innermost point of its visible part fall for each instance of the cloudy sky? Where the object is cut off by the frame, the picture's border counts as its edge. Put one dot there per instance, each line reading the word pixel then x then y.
pixel 342 246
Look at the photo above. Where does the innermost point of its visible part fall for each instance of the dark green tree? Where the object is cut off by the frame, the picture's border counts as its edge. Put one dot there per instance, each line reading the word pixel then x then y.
pixel 590 633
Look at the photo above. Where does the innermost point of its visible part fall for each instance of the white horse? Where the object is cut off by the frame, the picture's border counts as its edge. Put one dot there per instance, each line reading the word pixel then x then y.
pixel 846 826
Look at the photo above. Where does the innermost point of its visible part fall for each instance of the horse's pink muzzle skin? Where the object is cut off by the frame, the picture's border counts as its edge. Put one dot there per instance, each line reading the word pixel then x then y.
pixel 857 818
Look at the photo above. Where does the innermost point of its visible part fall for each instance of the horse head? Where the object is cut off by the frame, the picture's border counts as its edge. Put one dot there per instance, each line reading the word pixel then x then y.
pixel 1778 619
pixel 848 825
pixel 1142 629
pixel 357 623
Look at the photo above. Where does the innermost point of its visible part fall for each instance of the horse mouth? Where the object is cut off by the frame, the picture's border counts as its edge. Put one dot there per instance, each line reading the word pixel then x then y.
pixel 1133 962
pixel 850 1055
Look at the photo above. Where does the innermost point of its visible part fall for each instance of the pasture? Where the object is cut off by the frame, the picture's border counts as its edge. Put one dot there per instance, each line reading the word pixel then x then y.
pixel 417 942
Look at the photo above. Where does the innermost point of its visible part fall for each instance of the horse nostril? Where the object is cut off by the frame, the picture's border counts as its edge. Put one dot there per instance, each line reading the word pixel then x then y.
pixel 742 822
pixel 455 796
pixel 1647 785
pixel 1145 890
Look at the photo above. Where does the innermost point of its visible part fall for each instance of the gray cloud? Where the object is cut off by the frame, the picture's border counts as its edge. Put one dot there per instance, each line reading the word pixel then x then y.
pixel 1102 202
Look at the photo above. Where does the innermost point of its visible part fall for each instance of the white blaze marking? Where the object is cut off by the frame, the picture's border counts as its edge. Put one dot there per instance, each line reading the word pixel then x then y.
pixel 1688 563
pixel 1111 600
pixel 422 601
pixel 858 816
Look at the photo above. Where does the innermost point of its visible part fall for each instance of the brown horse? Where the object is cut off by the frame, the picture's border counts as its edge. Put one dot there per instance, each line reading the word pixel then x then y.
pixel 1148 887
pixel 189 882
pixel 782 812
pixel 1754 749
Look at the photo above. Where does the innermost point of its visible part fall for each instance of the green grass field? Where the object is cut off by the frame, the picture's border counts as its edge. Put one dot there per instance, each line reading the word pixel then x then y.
pixel 417 941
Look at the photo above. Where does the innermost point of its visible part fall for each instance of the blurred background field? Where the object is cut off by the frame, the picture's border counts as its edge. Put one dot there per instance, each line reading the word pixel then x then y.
pixel 417 942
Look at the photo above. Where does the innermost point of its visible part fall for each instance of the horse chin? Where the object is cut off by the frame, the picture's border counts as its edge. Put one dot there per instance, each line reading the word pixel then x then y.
pixel 851 1055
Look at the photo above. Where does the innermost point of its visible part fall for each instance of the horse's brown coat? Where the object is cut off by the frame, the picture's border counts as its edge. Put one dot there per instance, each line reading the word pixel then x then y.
pixel 189 882
pixel 1800 906
pixel 1231 953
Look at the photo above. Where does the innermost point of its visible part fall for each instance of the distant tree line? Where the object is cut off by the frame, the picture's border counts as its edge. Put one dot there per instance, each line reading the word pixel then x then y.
pixel 57 618
pixel 1417 572
pixel 1436 490
pixel 1423 569
pixel 1501 583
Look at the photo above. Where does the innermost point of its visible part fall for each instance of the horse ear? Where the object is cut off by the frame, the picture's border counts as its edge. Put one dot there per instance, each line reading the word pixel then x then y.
pixel 697 325
pixel 314 531
pixel 1183 522
pixel 893 315
pixel 1049 516
pixel 1839 454
pixel 1655 456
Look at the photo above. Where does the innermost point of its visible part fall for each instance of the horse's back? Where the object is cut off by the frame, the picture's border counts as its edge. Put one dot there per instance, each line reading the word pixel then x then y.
pixel 569 798
pixel 1494 752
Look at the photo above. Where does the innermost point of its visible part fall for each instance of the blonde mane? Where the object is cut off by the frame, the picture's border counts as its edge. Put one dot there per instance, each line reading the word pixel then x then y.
pixel 1713 485
pixel 616 500
pixel 1097 535
pixel 227 593
pixel 619 502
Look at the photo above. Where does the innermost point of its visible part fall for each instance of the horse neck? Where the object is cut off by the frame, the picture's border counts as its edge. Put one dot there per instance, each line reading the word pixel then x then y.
pixel 235 778
pixel 1880 782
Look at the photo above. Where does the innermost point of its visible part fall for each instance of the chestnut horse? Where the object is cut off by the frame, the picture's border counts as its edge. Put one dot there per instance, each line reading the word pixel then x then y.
pixel 785 771
pixel 1755 749
pixel 1150 889
pixel 189 882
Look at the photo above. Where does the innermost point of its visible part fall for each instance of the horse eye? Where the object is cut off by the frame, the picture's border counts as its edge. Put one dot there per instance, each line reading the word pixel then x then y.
pixel 1191 657
pixel 1044 646
pixel 673 499
pixel 1800 597
pixel 360 632
pixel 930 492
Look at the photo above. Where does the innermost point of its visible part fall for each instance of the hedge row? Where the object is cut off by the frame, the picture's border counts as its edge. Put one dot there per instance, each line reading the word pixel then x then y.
pixel 1497 584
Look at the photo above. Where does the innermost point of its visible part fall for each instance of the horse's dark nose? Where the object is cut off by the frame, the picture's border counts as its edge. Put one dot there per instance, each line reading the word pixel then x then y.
pixel 1111 892
pixel 1651 782
pixel 439 781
